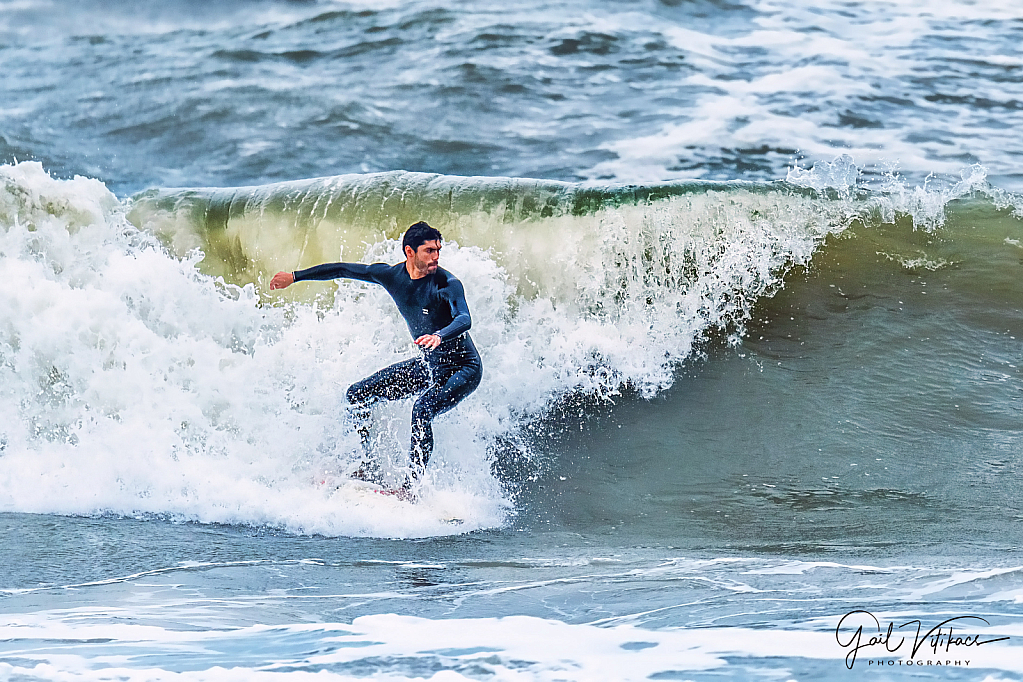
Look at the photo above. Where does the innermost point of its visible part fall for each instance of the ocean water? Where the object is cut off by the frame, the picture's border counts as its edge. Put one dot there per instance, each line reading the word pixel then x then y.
pixel 745 278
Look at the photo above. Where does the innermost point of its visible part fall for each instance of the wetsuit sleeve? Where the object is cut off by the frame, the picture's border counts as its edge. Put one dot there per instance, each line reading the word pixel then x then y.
pixel 455 295
pixel 359 271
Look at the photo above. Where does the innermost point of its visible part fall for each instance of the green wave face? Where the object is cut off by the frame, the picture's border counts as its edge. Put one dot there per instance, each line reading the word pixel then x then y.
pixel 552 238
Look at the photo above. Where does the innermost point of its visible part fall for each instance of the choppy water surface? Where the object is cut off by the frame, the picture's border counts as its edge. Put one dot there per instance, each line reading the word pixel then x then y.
pixel 745 279
pixel 223 94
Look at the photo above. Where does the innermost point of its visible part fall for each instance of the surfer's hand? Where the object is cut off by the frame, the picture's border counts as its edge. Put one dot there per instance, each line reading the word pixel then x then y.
pixel 282 280
pixel 428 341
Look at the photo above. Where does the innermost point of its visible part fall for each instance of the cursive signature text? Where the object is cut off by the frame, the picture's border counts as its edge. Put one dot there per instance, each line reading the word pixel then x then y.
pixel 858 630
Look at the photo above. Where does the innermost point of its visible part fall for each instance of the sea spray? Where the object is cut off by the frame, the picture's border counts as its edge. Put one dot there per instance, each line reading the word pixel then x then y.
pixel 134 384
pixel 925 205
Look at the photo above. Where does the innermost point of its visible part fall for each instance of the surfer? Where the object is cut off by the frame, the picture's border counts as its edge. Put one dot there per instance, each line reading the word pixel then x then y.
pixel 432 301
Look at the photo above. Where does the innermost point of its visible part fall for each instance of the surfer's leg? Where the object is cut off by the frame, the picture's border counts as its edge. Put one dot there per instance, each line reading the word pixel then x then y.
pixel 444 394
pixel 391 383
pixel 422 447
pixel 397 381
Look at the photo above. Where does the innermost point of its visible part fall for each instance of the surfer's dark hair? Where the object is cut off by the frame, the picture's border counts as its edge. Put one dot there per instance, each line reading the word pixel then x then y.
pixel 419 233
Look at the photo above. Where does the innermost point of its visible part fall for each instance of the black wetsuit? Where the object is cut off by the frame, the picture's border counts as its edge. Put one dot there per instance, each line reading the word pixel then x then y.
pixel 434 304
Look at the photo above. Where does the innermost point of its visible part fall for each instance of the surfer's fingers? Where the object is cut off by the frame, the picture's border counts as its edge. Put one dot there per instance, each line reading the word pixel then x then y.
pixel 282 280
pixel 428 341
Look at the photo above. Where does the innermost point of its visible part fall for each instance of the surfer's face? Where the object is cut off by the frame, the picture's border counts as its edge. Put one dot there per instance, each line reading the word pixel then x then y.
pixel 426 257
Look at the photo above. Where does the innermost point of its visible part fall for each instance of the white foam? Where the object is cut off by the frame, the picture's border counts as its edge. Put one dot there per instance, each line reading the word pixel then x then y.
pixel 395 647
pixel 133 384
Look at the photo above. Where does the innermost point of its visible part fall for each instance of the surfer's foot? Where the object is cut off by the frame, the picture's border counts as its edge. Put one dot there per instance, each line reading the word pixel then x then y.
pixel 368 471
pixel 403 494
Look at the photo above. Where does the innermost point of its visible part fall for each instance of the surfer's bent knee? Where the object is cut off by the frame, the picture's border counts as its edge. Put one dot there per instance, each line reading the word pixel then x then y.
pixel 354 395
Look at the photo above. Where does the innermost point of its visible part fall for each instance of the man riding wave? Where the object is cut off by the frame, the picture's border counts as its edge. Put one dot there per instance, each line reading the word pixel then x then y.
pixel 432 301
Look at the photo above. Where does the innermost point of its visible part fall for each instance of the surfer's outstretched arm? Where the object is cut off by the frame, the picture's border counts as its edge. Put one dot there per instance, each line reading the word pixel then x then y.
pixel 374 272
pixel 359 271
